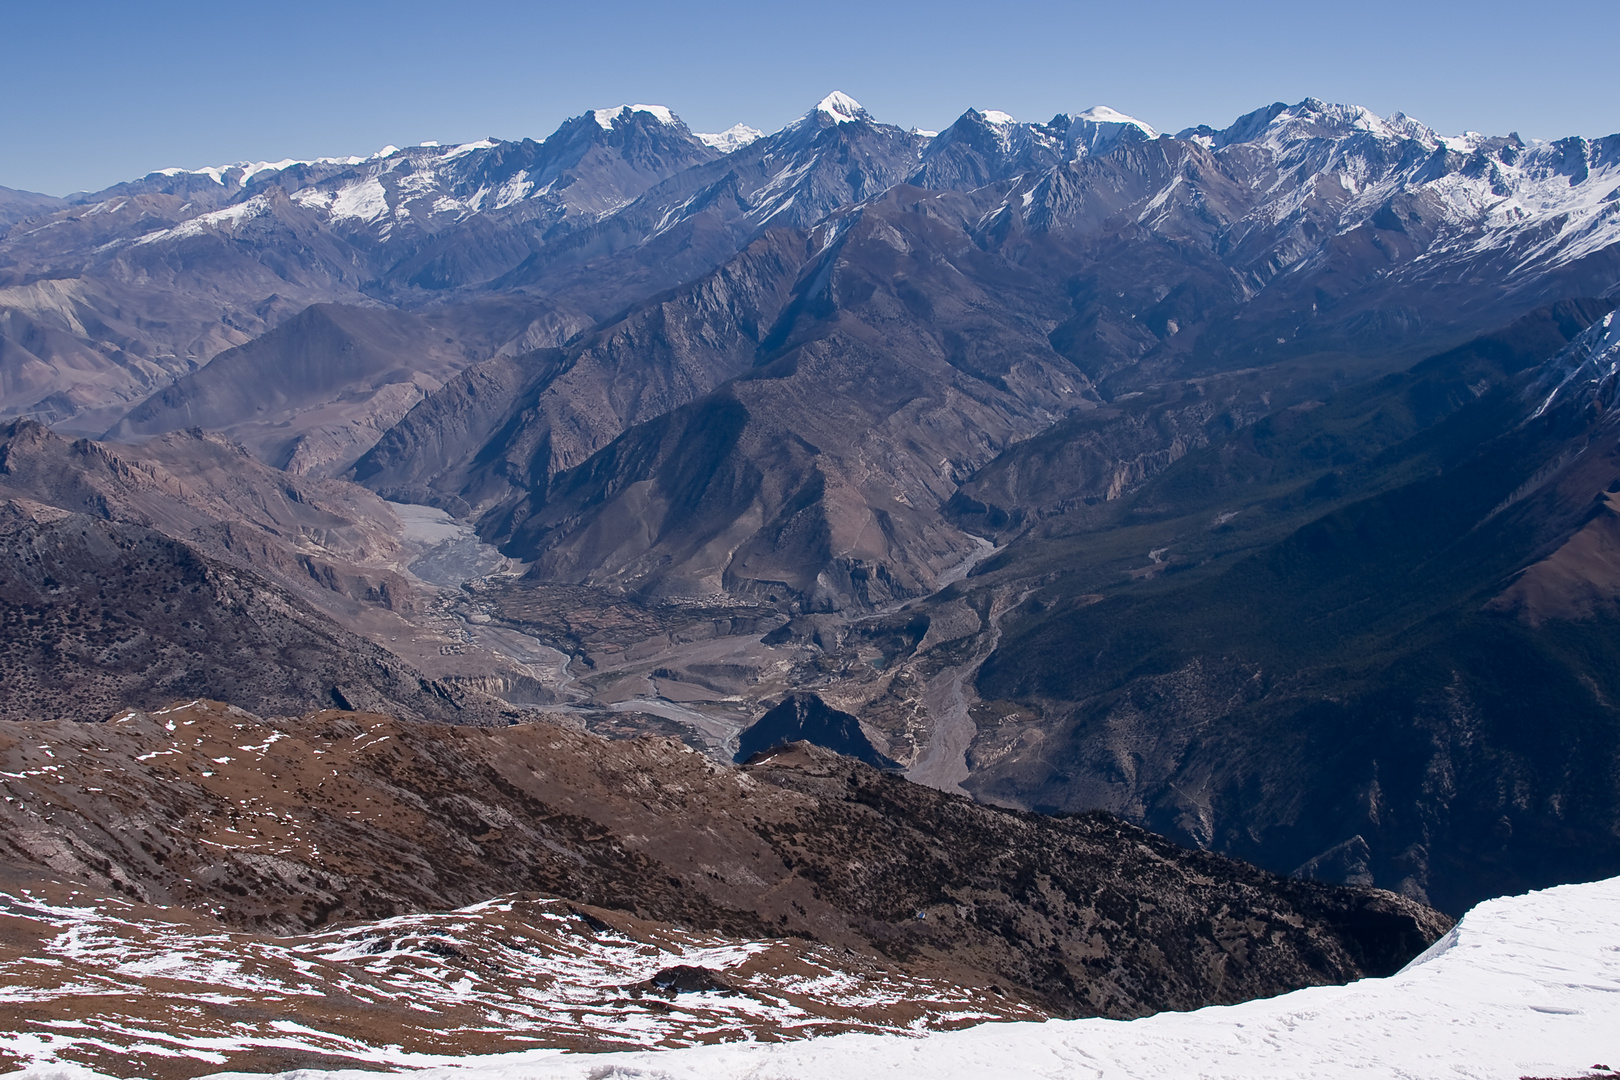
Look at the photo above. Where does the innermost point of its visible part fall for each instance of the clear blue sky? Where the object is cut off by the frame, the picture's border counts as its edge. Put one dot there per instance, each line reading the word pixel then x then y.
pixel 95 92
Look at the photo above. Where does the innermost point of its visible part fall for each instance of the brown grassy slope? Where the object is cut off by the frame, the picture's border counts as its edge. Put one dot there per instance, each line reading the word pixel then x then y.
pixel 343 816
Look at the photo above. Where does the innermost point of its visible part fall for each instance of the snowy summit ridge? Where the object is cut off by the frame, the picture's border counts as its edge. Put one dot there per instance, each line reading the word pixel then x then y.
pixel 734 137
pixel 661 113
pixel 1102 114
pixel 243 171
pixel 840 108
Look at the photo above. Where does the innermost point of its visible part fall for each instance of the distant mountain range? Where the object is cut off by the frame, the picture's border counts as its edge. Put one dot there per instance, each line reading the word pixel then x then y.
pixel 1251 483
pixel 977 285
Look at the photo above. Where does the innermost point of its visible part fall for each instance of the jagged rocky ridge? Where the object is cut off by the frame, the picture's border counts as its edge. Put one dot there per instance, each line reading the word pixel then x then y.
pixel 1523 984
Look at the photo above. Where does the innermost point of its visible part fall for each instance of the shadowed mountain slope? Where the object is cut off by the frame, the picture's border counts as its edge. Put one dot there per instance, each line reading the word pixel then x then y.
pixel 509 424
pixel 367 367
pixel 1374 639
pixel 1317 427
pixel 771 481
pixel 99 616
pixel 337 544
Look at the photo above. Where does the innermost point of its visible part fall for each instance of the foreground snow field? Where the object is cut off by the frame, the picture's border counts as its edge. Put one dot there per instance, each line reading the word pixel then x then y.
pixel 1523 986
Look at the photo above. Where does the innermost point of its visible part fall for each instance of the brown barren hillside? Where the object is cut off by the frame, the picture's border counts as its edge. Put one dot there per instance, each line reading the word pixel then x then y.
pixel 338 817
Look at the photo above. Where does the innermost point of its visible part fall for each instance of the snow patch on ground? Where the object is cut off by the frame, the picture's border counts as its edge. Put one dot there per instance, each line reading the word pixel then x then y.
pixel 313 198
pixel 83 978
pixel 226 220
pixel 366 200
pixel 1524 986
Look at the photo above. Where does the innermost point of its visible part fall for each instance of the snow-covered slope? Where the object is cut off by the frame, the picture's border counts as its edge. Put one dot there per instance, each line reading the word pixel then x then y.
pixel 1585 371
pixel 618 151
pixel 734 137
pixel 1523 986
pixel 146 986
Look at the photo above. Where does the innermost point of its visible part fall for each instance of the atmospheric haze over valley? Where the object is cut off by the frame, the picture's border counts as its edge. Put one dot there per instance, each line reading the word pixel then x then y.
pixel 1043 592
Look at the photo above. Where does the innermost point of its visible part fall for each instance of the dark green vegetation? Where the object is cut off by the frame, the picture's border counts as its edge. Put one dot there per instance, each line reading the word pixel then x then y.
pixel 1372 638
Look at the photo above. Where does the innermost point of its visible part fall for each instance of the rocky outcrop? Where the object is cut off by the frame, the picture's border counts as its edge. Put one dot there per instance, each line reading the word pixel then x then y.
pixel 806 718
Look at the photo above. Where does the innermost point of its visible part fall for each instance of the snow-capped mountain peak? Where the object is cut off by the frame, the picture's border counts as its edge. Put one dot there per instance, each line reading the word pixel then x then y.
pixel 1102 114
pixel 997 117
pixel 841 108
pixel 605 117
pixel 734 137
pixel 467 148
pixel 243 171
pixel 1279 125
pixel 1099 129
